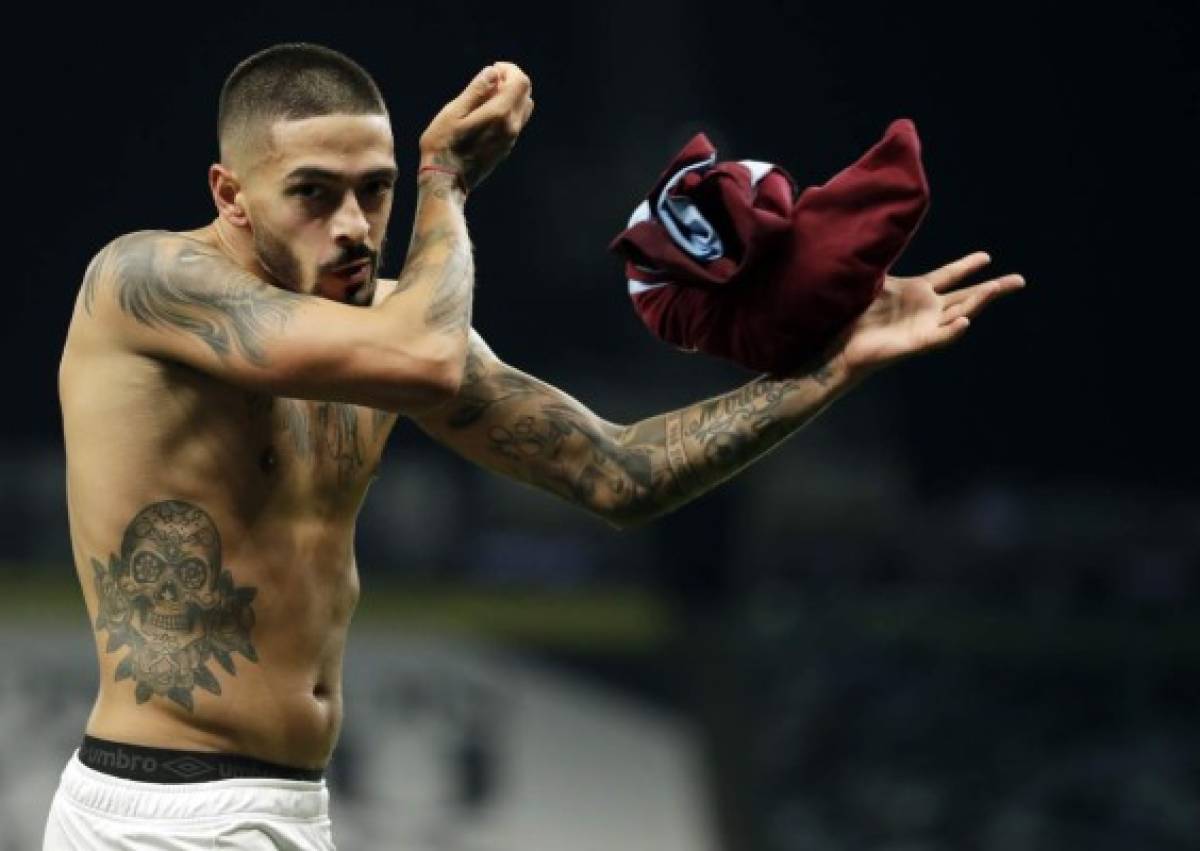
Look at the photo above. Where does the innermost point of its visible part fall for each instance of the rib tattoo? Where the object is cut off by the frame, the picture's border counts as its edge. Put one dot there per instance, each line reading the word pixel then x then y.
pixel 169 599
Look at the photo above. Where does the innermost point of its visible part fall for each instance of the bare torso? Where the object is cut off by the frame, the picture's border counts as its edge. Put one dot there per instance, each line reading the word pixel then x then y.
pixel 213 534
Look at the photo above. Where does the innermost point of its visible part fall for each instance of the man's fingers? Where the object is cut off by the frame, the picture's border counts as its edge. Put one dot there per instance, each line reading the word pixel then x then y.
pixel 1004 284
pixel 952 273
pixel 970 301
pixel 945 334
pixel 509 99
pixel 479 91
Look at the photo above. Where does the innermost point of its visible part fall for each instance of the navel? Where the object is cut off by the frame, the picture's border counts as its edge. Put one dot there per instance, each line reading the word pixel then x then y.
pixel 267 461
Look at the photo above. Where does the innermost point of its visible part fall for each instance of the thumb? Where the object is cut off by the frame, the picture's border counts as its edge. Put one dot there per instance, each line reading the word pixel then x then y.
pixel 478 91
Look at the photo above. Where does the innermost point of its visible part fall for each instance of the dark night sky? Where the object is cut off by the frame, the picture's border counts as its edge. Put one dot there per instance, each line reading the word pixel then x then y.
pixel 1064 143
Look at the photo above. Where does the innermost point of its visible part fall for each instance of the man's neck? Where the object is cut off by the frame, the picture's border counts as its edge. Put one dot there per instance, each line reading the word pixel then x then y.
pixel 234 244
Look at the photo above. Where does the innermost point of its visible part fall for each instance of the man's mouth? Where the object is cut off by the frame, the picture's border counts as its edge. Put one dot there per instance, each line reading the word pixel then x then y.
pixel 354 273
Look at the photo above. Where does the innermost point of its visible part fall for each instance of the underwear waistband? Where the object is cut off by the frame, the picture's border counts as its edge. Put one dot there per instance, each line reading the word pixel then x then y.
pixel 164 765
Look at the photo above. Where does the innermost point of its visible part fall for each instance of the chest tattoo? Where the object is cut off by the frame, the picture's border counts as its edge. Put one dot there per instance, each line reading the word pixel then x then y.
pixel 326 433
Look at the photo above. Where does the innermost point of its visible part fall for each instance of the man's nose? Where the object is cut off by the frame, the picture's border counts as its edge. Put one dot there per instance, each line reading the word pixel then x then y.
pixel 350 223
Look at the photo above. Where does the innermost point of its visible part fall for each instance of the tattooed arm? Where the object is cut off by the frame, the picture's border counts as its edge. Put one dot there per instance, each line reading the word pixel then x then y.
pixel 523 428
pixel 175 298
pixel 526 429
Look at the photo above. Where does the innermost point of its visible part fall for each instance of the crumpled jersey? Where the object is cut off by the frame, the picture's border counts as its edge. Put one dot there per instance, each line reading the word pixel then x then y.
pixel 724 258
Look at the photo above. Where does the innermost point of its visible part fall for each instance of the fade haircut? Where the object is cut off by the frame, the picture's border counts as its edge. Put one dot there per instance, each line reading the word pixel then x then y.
pixel 290 81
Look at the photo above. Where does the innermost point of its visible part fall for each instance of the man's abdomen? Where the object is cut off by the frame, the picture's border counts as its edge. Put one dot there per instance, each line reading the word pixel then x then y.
pixel 215 634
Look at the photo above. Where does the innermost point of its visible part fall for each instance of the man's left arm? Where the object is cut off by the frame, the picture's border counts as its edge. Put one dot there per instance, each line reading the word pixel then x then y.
pixel 523 428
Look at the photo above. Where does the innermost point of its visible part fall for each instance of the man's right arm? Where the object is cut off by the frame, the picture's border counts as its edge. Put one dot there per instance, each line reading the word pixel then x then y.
pixel 171 297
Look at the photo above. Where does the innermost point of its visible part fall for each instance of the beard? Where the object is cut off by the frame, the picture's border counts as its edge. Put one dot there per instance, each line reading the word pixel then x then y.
pixel 279 261
pixel 362 294
pixel 282 264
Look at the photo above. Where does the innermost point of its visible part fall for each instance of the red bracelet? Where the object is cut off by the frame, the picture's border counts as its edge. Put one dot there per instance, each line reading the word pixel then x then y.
pixel 462 183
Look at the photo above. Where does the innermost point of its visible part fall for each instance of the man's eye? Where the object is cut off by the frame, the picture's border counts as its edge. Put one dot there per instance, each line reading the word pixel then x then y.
pixel 379 187
pixel 308 191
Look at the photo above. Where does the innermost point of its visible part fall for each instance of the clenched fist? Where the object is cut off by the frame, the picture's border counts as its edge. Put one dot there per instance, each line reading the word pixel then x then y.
pixel 476 130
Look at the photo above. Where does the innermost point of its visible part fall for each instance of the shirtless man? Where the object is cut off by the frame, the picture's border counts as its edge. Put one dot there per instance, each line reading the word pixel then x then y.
pixel 227 392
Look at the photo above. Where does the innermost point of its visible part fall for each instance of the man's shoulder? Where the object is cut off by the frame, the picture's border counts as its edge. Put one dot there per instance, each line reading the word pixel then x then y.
pixel 130 254
pixel 135 242
pixel 111 261
pixel 136 263
pixel 146 243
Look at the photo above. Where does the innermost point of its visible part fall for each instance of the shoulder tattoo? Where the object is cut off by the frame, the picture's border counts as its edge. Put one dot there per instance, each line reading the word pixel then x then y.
pixel 165 281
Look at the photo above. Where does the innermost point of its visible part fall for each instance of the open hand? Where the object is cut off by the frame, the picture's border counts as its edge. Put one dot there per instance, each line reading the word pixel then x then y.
pixel 918 314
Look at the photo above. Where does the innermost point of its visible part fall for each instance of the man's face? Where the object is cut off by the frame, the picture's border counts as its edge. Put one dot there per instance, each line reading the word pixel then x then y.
pixel 318 202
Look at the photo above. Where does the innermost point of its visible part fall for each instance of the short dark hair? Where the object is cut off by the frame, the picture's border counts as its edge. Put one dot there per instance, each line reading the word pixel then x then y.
pixel 292 81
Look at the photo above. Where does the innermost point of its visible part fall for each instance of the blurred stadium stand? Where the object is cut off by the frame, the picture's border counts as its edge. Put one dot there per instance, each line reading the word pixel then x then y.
pixel 1011 667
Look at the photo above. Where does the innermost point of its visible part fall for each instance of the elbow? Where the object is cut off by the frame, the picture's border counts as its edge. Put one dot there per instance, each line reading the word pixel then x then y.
pixel 630 501
pixel 445 366
pixel 425 377
pixel 623 516
pixel 452 365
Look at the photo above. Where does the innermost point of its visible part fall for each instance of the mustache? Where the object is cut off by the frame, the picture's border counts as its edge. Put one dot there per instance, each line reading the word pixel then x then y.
pixel 353 255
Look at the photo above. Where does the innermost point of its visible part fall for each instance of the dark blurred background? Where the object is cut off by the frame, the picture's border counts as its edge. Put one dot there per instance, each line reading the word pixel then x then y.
pixel 959 609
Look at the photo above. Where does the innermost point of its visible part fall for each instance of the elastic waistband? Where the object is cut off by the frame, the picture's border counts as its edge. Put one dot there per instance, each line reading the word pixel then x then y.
pixel 290 799
pixel 163 765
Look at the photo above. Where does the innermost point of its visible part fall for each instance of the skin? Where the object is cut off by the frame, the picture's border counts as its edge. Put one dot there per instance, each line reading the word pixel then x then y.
pixel 280 478
pixel 523 428
pixel 226 397
pixel 336 175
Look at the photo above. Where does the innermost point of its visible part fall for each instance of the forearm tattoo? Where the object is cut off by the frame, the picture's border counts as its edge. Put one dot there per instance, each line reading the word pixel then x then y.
pixel 169 599
pixel 677 459
pixel 171 282
pixel 541 437
pixel 629 474
pixel 453 174
pixel 450 307
pixel 444 252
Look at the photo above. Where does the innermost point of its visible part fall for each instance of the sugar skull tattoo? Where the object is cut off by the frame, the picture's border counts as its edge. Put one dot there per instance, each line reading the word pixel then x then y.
pixel 168 598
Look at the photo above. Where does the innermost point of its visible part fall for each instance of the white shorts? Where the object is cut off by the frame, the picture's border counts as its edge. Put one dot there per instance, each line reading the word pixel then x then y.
pixel 93 811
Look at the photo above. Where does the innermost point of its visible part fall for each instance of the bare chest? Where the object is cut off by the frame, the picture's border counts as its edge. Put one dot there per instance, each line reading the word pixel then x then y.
pixel 325 451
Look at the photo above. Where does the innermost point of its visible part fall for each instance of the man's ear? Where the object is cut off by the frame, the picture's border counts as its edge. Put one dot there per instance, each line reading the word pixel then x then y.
pixel 227 195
